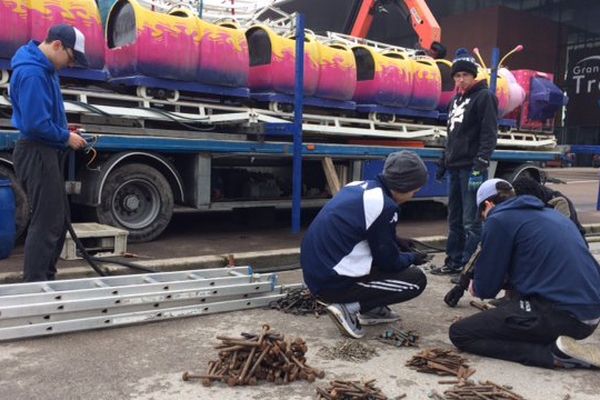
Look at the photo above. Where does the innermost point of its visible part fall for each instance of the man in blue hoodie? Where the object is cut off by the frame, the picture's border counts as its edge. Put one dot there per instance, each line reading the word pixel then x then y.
pixel 350 256
pixel 543 257
pixel 39 115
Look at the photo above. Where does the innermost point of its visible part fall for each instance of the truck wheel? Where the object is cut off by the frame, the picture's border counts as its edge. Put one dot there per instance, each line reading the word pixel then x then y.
pixel 138 198
pixel 22 213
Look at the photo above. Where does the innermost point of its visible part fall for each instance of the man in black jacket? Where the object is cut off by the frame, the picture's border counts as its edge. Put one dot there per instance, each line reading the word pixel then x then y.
pixel 551 198
pixel 472 130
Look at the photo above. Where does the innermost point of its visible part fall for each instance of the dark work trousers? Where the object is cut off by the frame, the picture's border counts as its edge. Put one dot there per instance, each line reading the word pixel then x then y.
pixel 464 226
pixel 520 330
pixel 37 166
pixel 379 289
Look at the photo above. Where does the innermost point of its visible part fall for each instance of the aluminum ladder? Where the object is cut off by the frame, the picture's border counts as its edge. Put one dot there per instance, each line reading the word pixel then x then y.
pixel 48 308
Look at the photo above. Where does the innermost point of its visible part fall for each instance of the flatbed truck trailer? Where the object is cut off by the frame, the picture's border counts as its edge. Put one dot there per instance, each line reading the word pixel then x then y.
pixel 142 174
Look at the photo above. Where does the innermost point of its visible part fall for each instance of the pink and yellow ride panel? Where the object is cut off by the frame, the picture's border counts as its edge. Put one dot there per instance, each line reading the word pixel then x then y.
pixel 273 60
pixel 337 72
pixel 23 20
pixel 427 84
pixel 383 79
pixel 176 46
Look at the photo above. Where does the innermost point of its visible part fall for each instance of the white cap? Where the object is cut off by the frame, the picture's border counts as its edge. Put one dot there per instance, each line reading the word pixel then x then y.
pixel 490 188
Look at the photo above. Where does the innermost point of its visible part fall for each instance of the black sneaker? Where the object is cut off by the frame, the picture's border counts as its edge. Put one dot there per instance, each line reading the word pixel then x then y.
pixel 446 270
pixel 573 354
pixel 378 315
pixel 346 322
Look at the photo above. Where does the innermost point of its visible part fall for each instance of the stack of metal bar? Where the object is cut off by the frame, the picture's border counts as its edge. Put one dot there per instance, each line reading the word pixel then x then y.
pixel 441 362
pixel 299 301
pixel 350 390
pixel 476 391
pixel 399 338
pixel 252 358
pixel 46 308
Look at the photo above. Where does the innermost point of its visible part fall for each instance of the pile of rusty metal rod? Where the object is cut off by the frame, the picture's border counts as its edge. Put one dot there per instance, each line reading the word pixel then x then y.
pixel 483 390
pixel 299 302
pixel 441 362
pixel 399 338
pixel 251 358
pixel 351 390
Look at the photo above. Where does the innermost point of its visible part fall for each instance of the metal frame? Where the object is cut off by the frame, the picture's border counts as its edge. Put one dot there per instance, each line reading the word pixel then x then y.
pixel 44 308
pixel 213 115
pixel 52 328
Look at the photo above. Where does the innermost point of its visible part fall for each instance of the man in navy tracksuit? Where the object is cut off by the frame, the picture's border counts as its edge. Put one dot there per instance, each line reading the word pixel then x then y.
pixel 39 115
pixel 543 257
pixel 349 255
pixel 472 132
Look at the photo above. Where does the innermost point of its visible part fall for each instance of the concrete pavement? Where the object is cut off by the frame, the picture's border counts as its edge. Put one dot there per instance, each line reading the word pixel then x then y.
pixel 145 362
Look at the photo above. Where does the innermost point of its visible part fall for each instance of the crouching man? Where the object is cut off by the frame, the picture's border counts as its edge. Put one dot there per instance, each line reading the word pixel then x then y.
pixel 544 258
pixel 349 255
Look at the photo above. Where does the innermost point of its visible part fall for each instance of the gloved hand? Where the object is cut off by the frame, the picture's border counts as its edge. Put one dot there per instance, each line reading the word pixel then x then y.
pixel 441 170
pixel 405 245
pixel 421 258
pixel 475 179
pixel 440 173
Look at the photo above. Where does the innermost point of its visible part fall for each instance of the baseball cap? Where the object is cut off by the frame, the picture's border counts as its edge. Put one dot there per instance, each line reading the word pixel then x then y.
pixel 71 38
pixel 491 188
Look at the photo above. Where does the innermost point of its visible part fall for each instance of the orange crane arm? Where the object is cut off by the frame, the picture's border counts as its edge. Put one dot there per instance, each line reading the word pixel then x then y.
pixel 422 20
pixel 364 19
pixel 424 23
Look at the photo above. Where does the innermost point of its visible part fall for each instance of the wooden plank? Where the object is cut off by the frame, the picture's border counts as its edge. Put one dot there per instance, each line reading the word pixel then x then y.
pixel 331 175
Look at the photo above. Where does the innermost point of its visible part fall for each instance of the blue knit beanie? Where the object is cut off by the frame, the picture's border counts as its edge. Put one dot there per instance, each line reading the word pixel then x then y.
pixel 464 62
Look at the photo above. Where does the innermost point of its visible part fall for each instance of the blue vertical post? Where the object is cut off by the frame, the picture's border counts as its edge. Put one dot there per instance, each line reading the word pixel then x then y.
pixel 297 130
pixel 494 70
pixel 598 199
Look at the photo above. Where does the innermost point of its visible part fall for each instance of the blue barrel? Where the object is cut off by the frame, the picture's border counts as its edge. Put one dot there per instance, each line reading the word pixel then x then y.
pixel 7 218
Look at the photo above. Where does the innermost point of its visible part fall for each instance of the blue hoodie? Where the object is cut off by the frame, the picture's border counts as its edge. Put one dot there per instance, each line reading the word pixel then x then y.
pixel 38 110
pixel 542 253
pixel 355 231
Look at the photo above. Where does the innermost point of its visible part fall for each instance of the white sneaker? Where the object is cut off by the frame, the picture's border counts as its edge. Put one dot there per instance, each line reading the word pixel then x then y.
pixel 378 315
pixel 580 355
pixel 346 322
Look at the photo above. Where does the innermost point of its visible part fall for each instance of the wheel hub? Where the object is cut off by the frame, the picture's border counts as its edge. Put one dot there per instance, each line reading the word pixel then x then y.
pixel 131 202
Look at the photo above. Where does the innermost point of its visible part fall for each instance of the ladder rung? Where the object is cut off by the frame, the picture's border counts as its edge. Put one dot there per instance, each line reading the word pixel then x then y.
pixel 76 309
pixel 50 328
pixel 114 281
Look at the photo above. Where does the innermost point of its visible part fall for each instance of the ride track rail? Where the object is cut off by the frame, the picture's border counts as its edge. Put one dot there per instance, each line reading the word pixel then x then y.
pixel 202 114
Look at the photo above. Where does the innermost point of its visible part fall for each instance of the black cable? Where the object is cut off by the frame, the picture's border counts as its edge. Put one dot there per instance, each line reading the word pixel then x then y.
pixel 88 107
pixel 123 263
pixel 177 119
pixel 92 261
pixel 428 246
pixel 74 236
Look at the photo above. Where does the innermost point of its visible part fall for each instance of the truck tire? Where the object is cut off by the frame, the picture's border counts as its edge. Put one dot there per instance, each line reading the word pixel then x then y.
pixel 138 198
pixel 528 170
pixel 22 212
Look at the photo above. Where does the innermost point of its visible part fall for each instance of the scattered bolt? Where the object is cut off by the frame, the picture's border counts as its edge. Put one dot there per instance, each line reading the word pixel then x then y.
pixel 299 302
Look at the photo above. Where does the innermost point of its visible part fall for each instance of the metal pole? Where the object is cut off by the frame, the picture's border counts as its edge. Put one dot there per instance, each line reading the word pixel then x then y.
pixel 494 69
pixel 598 199
pixel 297 130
